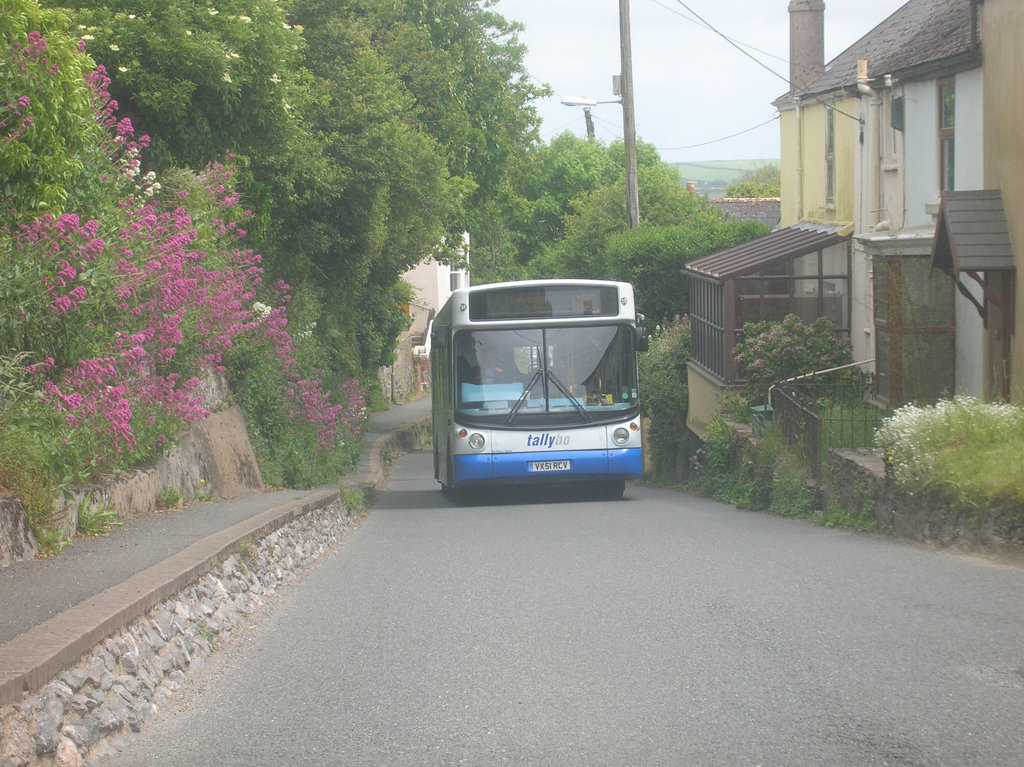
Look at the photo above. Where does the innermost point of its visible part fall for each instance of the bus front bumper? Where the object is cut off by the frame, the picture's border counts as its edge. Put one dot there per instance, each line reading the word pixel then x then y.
pixel 549 466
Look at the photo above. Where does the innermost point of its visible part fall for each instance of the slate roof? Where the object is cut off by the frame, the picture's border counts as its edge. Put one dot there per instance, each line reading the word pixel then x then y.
pixel 922 38
pixel 767 210
pixel 971 234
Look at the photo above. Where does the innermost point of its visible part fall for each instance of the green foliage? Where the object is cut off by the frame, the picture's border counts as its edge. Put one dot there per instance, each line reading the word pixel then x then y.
pixel 289 450
pixel 652 259
pixel 771 352
pixel 38 455
pixel 47 126
pixel 199 80
pixel 96 521
pixel 792 494
pixel 354 501
pixel 858 515
pixel 763 181
pixel 595 241
pixel 169 498
pixel 716 460
pixel 665 400
pixel 752 474
pixel 964 452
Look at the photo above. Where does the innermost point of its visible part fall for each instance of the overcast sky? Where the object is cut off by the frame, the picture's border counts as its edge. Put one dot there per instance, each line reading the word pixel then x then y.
pixel 692 87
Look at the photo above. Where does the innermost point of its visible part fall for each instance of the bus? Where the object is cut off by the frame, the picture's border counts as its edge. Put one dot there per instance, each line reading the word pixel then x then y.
pixel 535 382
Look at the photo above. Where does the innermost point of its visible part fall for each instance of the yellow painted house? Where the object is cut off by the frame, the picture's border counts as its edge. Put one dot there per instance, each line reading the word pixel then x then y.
pixel 902 215
pixel 818 140
pixel 1002 29
pixel 803 267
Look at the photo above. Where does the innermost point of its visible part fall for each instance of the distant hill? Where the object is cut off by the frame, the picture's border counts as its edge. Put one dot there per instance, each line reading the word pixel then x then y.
pixel 712 177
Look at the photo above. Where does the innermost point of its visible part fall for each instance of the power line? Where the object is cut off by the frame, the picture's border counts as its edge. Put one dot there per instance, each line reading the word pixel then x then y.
pixel 800 91
pixel 717 140
pixel 731 42
pixel 701 23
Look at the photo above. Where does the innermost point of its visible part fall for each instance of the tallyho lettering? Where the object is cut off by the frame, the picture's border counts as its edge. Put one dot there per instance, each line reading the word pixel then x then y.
pixel 546 440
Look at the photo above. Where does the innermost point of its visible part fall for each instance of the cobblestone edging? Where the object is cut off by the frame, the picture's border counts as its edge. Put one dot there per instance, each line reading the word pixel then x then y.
pixel 91 710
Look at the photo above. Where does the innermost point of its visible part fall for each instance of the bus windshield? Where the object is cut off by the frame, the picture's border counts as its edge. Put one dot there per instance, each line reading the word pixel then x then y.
pixel 527 375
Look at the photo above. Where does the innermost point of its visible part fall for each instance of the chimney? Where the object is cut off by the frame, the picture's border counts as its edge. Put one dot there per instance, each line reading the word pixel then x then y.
pixel 806 43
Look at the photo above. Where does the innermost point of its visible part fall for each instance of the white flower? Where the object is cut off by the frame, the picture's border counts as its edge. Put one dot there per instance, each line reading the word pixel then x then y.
pixel 226 77
pixel 246 19
pixel 114 47
pixel 122 69
pixel 274 78
pixel 213 11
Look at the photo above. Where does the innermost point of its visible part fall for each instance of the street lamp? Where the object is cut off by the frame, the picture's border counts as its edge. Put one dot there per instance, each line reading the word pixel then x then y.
pixel 585 102
pixel 625 82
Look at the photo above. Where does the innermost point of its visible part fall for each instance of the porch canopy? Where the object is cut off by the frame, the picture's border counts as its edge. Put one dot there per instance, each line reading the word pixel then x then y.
pixel 972 237
pixel 803 270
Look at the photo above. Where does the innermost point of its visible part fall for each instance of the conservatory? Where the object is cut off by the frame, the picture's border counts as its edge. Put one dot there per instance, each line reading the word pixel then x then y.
pixel 802 269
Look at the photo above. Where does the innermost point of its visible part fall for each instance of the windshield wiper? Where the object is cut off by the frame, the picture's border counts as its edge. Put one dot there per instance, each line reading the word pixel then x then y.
pixel 565 390
pixel 522 398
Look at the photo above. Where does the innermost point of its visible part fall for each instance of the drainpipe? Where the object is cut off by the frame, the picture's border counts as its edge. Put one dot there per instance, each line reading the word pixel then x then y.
pixel 871 148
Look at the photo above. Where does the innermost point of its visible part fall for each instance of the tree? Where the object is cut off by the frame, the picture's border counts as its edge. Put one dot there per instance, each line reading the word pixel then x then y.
pixel 199 80
pixel 48 129
pixel 763 181
pixel 675 227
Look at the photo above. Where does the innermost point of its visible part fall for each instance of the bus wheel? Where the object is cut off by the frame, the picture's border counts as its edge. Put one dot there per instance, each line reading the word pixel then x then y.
pixel 613 489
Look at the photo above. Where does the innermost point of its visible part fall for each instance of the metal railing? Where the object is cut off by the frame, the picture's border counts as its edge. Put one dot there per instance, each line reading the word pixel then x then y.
pixel 818 415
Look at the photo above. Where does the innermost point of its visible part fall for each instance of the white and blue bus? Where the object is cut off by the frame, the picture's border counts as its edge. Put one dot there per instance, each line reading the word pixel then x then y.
pixel 536 382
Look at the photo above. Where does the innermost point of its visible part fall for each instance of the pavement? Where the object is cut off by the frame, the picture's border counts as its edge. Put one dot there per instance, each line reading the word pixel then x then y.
pixel 54 610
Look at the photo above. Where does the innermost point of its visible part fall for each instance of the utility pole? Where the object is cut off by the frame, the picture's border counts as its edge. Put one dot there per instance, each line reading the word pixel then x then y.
pixel 628 119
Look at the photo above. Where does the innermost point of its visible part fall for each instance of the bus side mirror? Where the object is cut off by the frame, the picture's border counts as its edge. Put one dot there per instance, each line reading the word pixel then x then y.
pixel 643 339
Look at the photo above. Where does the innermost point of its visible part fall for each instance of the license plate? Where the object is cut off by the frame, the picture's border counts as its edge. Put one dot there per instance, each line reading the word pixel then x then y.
pixel 550 465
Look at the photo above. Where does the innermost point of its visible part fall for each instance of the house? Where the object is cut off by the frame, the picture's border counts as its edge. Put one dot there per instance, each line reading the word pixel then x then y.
pixel 432 282
pixel 1001 28
pixel 884 151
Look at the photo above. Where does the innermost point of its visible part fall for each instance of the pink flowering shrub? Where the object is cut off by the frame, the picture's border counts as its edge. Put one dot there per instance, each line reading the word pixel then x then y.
pixel 126 312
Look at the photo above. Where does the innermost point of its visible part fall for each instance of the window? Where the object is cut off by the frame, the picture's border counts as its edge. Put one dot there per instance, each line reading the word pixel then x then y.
pixel 947 124
pixel 830 155
pixel 518 375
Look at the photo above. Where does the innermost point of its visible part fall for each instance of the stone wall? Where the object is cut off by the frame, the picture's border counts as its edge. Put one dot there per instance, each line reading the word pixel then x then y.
pixel 409 375
pixel 213 459
pixel 16 540
pixel 856 480
pixel 95 707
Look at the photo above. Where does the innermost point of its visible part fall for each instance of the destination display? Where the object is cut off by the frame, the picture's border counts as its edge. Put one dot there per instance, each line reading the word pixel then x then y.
pixel 544 301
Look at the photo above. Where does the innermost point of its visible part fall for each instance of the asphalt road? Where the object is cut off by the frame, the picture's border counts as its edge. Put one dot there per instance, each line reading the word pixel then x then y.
pixel 662 629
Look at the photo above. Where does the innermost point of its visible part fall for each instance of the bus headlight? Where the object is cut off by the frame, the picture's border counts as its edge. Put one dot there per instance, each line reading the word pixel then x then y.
pixel 621 436
pixel 476 441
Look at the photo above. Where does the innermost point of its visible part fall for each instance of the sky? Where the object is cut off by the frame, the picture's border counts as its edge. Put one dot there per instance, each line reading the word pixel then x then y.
pixel 692 88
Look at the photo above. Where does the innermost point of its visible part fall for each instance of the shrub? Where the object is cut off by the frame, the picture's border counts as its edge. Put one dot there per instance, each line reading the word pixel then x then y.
pixel 715 463
pixel 665 398
pixel 771 352
pixel 756 474
pixel 967 452
pixel 135 304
